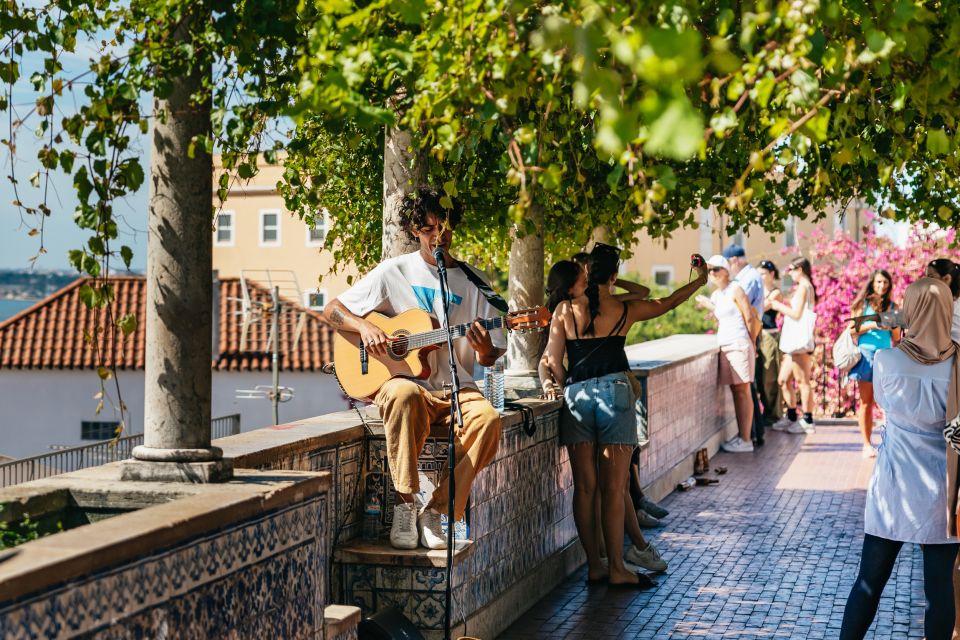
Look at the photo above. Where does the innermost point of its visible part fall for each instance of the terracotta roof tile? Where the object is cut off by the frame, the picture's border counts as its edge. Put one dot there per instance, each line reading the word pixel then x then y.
pixel 50 334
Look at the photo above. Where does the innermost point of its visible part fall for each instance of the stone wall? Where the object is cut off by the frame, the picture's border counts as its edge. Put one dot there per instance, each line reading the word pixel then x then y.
pixel 244 559
pixel 685 409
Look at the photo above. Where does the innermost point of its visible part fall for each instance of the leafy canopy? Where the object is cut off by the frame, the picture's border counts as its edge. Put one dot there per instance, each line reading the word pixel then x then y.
pixel 636 115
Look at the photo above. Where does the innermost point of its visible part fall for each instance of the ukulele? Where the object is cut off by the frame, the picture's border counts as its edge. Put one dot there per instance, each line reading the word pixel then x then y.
pixel 414 333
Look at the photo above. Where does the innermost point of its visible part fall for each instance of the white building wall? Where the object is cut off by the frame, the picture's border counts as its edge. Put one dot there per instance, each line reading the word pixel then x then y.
pixel 39 409
pixel 314 395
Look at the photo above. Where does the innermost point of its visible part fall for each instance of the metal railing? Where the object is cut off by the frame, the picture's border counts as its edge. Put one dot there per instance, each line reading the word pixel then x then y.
pixel 92 455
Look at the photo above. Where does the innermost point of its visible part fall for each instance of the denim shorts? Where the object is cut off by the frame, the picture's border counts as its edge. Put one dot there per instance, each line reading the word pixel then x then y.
pixel 863 370
pixel 600 411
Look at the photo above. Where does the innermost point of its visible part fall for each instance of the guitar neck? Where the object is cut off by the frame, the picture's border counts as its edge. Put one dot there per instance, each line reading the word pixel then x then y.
pixel 438 336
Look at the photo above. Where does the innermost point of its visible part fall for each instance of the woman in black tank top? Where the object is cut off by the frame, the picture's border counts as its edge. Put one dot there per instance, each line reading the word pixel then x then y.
pixel 598 416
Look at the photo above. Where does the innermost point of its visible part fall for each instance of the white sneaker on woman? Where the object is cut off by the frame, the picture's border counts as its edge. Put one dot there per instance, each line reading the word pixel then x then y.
pixel 648 559
pixel 737 445
pixel 783 424
pixel 802 426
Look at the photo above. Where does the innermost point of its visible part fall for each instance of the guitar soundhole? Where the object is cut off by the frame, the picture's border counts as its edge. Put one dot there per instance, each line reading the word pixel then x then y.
pixel 400 347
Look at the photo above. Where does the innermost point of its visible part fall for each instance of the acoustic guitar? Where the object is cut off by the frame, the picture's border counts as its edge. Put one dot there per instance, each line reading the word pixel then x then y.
pixel 415 334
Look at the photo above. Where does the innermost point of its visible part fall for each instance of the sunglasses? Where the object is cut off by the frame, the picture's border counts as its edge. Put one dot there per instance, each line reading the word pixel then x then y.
pixel 715 269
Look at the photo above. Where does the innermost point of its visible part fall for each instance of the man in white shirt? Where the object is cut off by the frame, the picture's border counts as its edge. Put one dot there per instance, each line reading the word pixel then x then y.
pixel 409 407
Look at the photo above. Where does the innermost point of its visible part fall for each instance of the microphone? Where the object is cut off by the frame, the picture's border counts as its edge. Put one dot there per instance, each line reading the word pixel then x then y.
pixel 439 257
pixel 886 319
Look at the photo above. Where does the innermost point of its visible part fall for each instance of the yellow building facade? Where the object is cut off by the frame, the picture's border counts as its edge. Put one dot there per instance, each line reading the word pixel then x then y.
pixel 255 236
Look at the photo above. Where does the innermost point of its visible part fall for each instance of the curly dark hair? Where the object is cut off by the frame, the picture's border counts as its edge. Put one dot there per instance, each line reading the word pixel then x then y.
pixel 416 206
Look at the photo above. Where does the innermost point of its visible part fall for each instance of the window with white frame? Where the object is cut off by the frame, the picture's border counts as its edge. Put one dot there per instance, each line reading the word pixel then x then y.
pixel 662 275
pixel 270 228
pixel 790 232
pixel 223 236
pixel 316 299
pixel 317 233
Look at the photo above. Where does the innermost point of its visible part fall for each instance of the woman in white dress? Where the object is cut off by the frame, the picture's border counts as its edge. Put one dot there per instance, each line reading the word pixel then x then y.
pixel 912 495
pixel 797 366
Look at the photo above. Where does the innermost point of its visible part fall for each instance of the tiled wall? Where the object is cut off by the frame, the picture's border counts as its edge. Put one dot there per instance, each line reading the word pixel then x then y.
pixel 259 578
pixel 520 515
pixel 344 462
pixel 685 407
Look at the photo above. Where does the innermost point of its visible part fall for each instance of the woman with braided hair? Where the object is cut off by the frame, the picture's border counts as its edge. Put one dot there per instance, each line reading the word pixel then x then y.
pixel 599 415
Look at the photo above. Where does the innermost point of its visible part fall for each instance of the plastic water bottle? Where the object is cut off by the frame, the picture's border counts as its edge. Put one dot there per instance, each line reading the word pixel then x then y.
pixel 493 384
pixel 372 508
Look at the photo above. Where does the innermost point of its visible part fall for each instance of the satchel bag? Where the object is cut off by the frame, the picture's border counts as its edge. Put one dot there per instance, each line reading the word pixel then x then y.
pixel 796 336
pixel 846 354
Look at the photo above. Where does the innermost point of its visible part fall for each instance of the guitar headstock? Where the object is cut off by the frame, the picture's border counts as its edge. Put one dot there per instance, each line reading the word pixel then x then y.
pixel 528 319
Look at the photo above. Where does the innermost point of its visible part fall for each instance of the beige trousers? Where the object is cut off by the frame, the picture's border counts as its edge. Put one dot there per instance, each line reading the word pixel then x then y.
pixel 408 410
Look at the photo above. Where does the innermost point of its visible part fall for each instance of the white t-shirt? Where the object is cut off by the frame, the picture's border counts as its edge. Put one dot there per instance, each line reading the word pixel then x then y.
pixel 731 328
pixel 408 282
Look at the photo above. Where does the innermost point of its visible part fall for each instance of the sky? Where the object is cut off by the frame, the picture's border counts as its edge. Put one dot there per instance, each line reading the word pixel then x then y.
pixel 60 233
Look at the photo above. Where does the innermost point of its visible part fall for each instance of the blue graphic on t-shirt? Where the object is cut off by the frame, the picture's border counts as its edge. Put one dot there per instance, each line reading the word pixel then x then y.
pixel 425 297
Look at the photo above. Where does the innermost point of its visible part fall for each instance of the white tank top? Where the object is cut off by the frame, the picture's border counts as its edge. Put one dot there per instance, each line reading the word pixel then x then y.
pixel 730 326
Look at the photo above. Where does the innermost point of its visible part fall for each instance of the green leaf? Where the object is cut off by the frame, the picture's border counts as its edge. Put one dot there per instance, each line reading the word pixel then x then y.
pixel 938 142
pixel 127 324
pixel 677 133
pixel 87 296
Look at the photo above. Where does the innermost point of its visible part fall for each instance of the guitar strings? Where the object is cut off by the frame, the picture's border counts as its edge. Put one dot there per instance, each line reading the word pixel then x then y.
pixel 419 340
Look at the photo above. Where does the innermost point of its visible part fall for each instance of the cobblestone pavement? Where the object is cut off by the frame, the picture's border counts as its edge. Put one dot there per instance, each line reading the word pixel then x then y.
pixel 770 552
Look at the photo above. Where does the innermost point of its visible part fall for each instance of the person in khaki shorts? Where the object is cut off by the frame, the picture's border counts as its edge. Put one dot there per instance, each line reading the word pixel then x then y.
pixel 735 319
pixel 408 406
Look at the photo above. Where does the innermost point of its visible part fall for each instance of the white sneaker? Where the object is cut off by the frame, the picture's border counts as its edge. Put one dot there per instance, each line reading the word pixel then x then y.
pixel 783 424
pixel 403 533
pixel 648 559
pixel 737 445
pixel 431 531
pixel 802 426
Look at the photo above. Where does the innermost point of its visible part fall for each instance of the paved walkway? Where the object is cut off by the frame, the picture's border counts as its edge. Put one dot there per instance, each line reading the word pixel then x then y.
pixel 770 552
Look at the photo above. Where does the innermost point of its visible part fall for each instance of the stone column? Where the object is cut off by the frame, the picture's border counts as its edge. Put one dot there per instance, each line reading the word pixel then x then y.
pixel 179 307
pixel 401 175
pixel 526 290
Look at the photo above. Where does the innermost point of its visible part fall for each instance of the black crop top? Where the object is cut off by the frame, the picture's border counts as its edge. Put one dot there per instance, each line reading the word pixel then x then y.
pixel 594 357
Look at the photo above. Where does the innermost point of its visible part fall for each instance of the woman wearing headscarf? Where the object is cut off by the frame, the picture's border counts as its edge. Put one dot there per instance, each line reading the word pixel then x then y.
pixel 912 495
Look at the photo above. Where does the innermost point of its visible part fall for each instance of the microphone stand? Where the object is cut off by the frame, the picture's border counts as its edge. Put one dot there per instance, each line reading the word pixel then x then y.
pixel 456 418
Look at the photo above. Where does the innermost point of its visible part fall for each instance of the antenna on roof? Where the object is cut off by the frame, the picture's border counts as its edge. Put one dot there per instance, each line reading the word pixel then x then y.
pixel 284 315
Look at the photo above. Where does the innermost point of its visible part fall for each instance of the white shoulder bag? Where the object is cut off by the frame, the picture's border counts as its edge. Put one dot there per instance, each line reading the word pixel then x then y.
pixel 796 336
pixel 846 354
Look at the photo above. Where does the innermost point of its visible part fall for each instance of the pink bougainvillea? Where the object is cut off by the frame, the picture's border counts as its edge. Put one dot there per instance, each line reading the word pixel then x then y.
pixel 841 266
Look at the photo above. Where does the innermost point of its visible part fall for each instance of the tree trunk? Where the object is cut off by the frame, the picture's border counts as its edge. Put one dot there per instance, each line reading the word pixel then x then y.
pixel 401 175
pixel 179 310
pixel 526 290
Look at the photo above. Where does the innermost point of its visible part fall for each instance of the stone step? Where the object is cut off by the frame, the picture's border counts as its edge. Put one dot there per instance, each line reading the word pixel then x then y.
pixel 340 622
pixel 381 553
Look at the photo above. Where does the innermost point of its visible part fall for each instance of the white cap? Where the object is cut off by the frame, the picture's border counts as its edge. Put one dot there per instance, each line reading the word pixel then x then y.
pixel 718 261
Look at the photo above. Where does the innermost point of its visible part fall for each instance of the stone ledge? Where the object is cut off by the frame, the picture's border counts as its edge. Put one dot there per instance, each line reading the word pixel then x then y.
pixel 340 620
pixel 666 353
pixel 189 512
pixel 381 553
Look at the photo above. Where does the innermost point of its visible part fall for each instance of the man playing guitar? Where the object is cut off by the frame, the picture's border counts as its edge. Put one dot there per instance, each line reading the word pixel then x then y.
pixel 409 407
